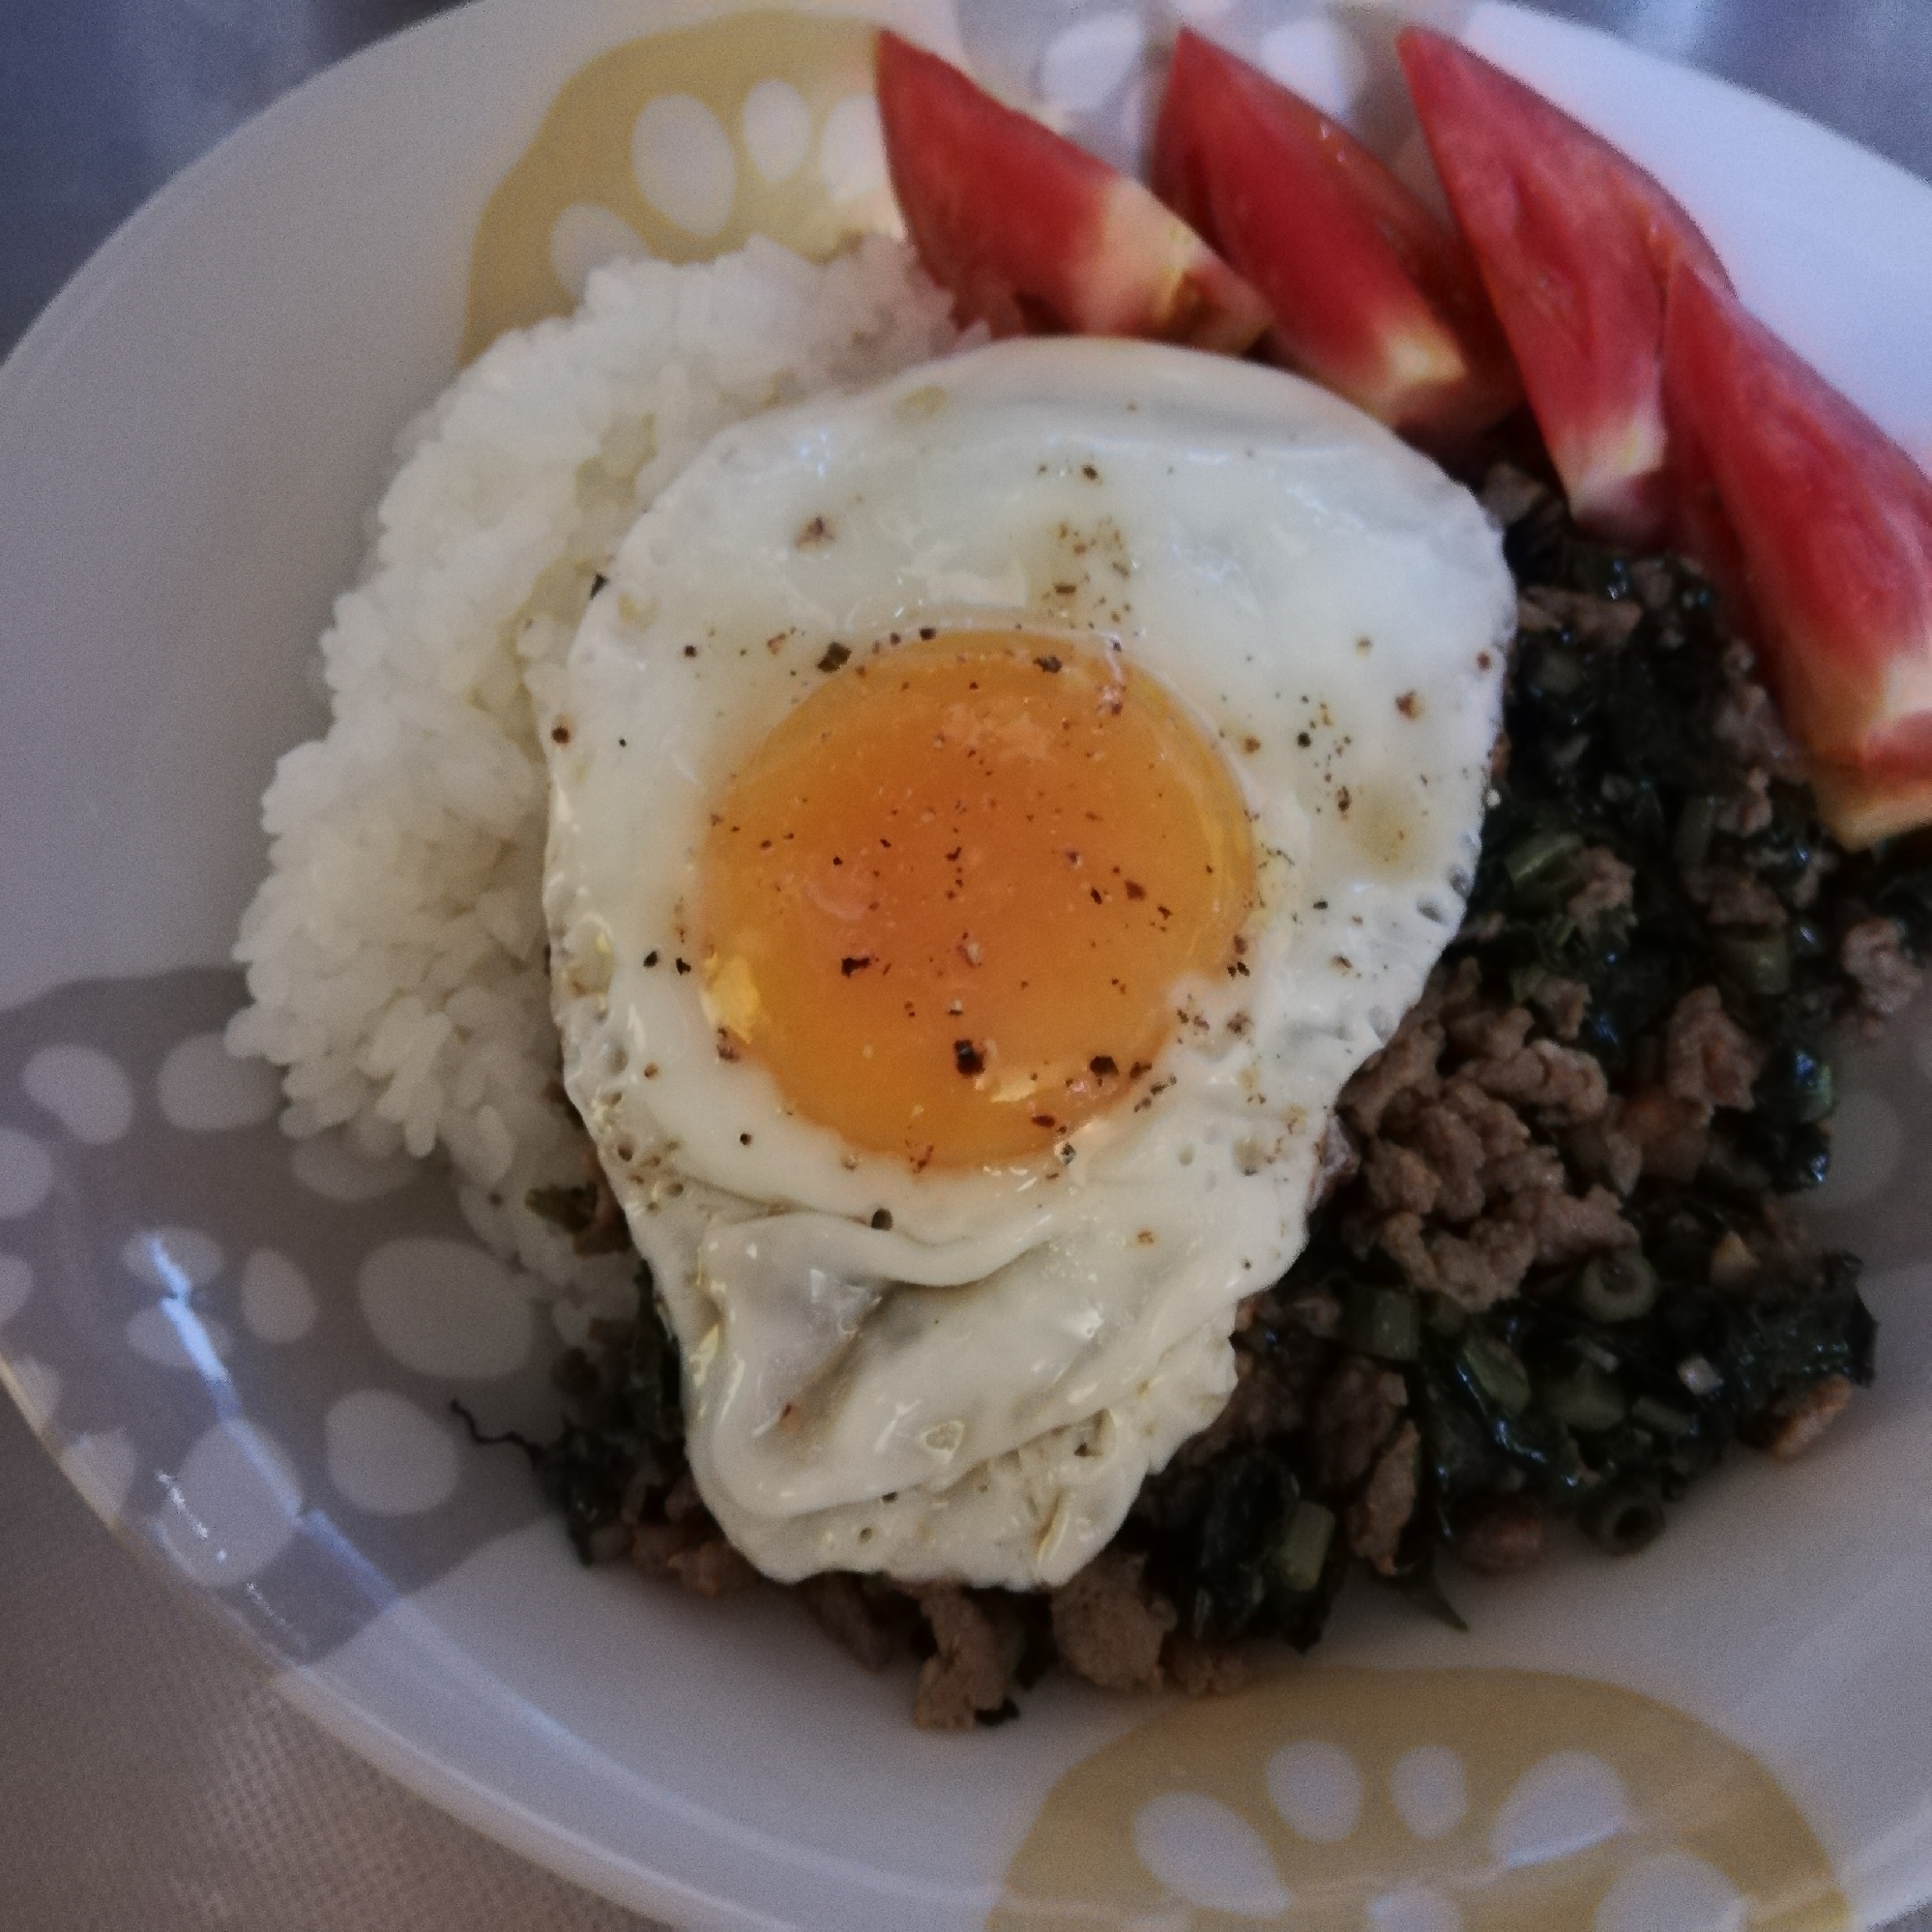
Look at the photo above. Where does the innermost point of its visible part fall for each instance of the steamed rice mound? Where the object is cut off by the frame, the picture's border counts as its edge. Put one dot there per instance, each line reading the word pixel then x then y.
pixel 396 951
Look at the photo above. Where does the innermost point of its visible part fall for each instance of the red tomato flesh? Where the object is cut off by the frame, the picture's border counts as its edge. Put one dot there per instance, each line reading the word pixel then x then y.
pixel 1576 245
pixel 1371 295
pixel 1032 235
pixel 1820 527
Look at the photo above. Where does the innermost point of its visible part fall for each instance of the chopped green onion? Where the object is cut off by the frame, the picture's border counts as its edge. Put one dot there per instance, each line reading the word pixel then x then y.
pixel 1303 1550
pixel 1617 1287
pixel 1385 1323
pixel 1538 855
pixel 1623 1521
pixel 1587 1401
pixel 1493 1366
pixel 1695 824
pixel 1760 962
pixel 1660 1419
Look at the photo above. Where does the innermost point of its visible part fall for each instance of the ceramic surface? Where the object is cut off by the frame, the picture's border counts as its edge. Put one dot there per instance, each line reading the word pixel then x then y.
pixel 243 1350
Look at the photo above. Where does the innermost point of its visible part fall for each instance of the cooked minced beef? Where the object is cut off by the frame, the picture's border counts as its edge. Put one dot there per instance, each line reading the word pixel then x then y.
pixel 1550 1273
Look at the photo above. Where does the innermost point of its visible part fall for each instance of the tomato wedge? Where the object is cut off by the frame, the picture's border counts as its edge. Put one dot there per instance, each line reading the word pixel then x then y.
pixel 1821 526
pixel 1031 234
pixel 1370 293
pixel 1576 245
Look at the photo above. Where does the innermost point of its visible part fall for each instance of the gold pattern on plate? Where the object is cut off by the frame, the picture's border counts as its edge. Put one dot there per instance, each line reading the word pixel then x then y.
pixel 777 162
pixel 1438 1801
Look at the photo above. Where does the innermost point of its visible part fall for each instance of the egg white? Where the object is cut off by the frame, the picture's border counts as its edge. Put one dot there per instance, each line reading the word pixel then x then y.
pixel 978 1390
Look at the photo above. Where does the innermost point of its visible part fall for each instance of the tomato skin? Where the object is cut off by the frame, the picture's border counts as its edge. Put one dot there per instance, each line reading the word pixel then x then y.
pixel 1576 245
pixel 1820 527
pixel 1032 234
pixel 1371 295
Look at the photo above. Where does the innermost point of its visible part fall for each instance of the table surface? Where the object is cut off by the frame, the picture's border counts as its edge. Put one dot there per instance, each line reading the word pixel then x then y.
pixel 148 1777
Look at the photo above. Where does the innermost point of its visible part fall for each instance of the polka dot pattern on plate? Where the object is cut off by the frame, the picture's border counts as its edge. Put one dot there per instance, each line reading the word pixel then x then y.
pixel 583 238
pixel 1207 1853
pixel 1317 1789
pixel 1428 1790
pixel 685 162
pixel 325 1166
pixel 26 1174
pixel 384 1455
pixel 278 1304
pixel 37 1387
pixel 1568 1802
pixel 1083 66
pixel 1420 1910
pixel 174 1260
pixel 17 1284
pixel 776 125
pixel 1673 1892
pixel 852 149
pixel 103 1467
pixel 1320 60
pixel 443 1309
pixel 84 1089
pixel 231 1509
pixel 174 1335
pixel 202 1088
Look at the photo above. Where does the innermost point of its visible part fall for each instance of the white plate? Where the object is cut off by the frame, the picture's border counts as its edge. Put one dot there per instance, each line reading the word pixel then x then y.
pixel 191 1318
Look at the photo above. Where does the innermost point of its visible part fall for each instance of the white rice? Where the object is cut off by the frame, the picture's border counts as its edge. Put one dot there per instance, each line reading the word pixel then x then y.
pixel 395 952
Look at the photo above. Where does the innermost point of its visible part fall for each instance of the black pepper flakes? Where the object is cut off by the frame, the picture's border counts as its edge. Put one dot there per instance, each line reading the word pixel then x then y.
pixel 967 1058
pixel 836 655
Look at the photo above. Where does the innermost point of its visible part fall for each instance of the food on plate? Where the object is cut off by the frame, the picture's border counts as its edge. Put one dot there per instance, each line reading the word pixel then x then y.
pixel 395 952
pixel 1576 245
pixel 1370 293
pixel 1821 526
pixel 991 815
pixel 1089 1096
pixel 1031 233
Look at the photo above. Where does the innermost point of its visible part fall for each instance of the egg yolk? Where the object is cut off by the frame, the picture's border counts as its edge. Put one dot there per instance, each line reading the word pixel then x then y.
pixel 949 900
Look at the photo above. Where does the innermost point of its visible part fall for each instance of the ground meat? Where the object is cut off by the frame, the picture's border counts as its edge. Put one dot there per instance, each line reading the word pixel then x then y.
pixel 1737 899
pixel 1709 1058
pixel 1803 1422
pixel 966 1674
pixel 1505 1538
pixel 1377 1517
pixel 1671 1136
pixel 1354 1415
pixel 1406 1064
pixel 1567 1228
pixel 1454 1153
pixel 1606 623
pixel 1563 1004
pixel 1200 1669
pixel 858 1623
pixel 1873 954
pixel 1268 1400
pixel 1475 1271
pixel 1601 1151
pixel 712 1568
pixel 1563 1083
pixel 1511 494
pixel 1109 1626
pixel 1746 725
pixel 1603 888
pixel 1397 1177
pixel 1530 1170
pixel 1748 809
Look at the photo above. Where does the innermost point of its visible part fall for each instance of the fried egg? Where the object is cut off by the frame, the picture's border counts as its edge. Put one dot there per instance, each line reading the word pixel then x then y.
pixel 992 817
